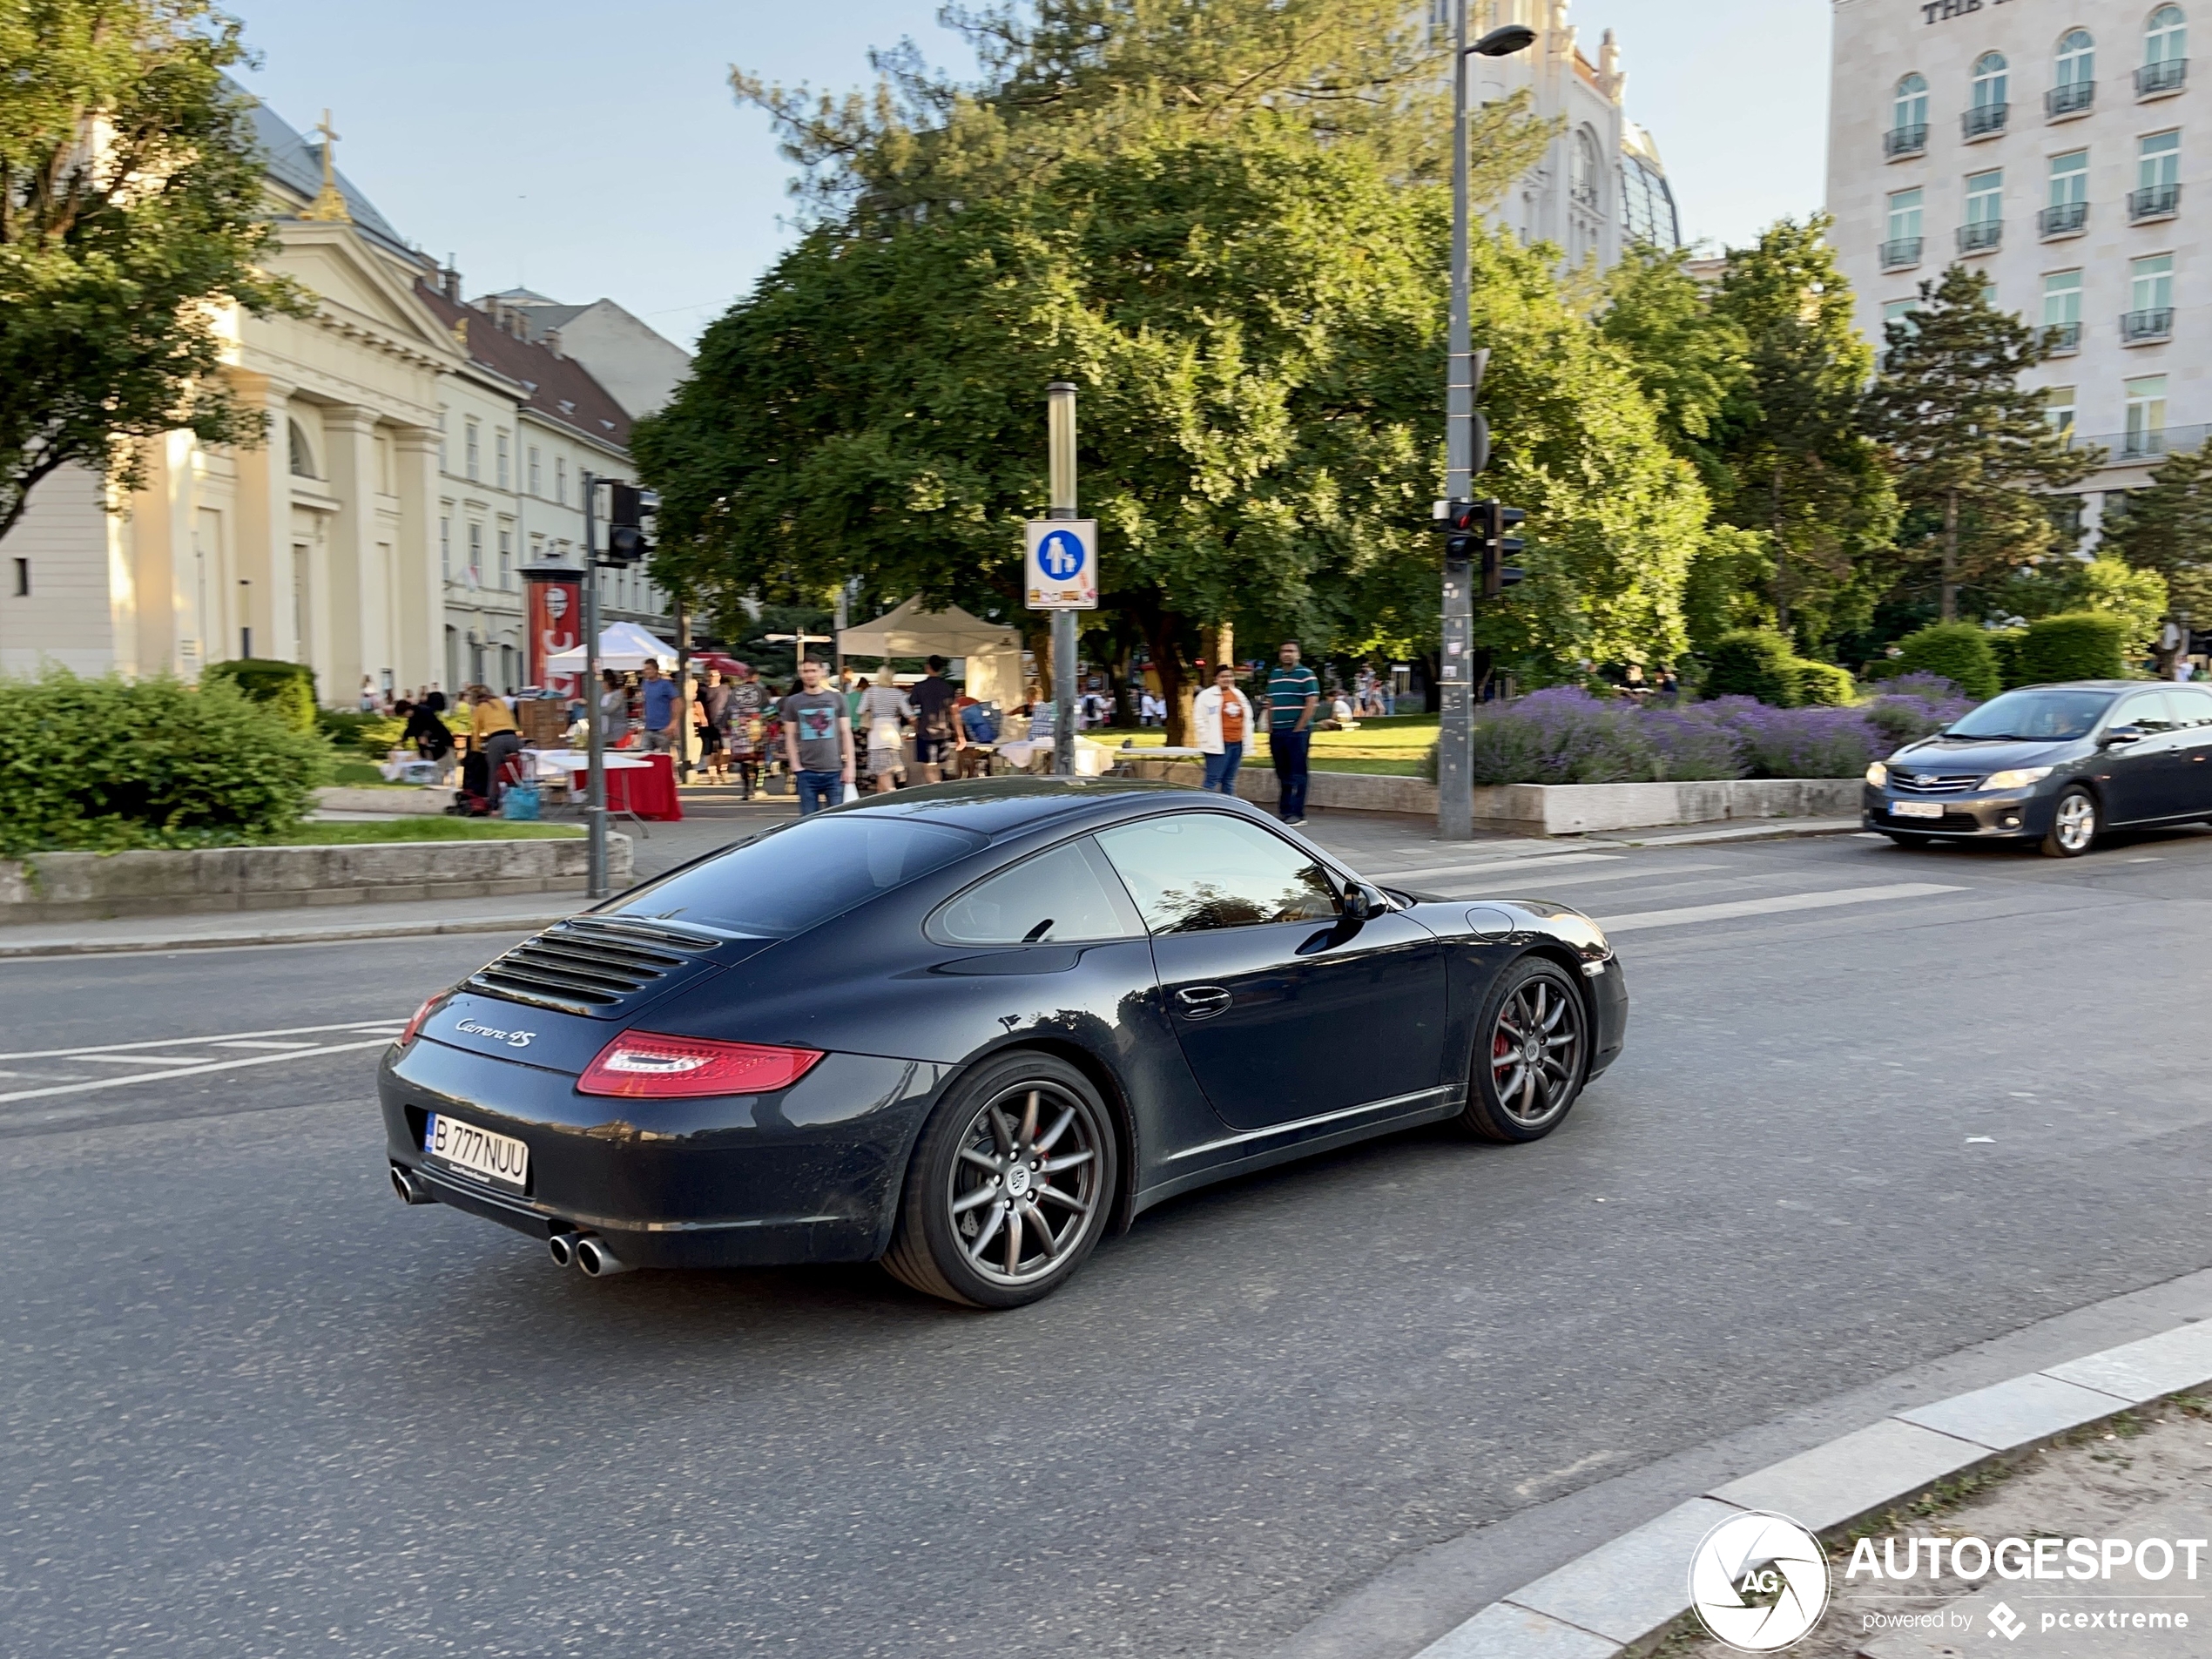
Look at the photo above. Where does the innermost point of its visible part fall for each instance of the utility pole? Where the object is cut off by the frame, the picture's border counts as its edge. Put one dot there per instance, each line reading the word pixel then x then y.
pixel 595 789
pixel 1061 434
pixel 1466 452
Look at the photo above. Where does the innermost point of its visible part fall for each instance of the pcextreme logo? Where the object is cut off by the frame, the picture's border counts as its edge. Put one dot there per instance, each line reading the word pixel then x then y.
pixel 1759 1582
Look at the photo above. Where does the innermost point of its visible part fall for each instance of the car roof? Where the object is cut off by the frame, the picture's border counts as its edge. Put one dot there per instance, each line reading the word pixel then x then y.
pixel 2090 685
pixel 1001 806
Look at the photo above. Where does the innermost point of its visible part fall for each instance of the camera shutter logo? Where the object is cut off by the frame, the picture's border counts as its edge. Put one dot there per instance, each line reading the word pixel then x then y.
pixel 1759 1582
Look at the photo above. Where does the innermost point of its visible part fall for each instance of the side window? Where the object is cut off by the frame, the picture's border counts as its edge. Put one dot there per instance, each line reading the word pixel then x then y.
pixel 1197 871
pixel 1057 897
pixel 2194 706
pixel 2149 711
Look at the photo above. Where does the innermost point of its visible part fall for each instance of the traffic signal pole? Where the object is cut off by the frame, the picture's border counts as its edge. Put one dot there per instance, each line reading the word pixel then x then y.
pixel 1061 442
pixel 595 794
pixel 1454 756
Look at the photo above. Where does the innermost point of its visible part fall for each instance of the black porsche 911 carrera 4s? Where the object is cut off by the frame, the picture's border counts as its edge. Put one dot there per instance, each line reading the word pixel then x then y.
pixel 968 1029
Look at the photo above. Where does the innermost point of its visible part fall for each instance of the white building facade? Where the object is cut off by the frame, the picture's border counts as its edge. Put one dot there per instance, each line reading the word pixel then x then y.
pixel 2048 144
pixel 1600 186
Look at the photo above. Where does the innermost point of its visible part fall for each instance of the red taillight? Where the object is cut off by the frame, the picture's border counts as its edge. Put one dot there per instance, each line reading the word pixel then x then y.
pixel 657 1067
pixel 420 1014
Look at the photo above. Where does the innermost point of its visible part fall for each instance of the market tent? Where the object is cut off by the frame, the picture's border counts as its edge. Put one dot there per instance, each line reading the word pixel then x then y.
pixel 993 650
pixel 622 646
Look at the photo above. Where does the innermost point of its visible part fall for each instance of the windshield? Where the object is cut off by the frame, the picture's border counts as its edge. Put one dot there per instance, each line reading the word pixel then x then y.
pixel 2044 717
pixel 790 878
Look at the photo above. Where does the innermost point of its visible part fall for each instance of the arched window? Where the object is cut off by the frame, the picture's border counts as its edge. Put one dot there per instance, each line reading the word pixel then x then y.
pixel 1911 108
pixel 1989 81
pixel 1582 177
pixel 2077 58
pixel 2166 40
pixel 303 458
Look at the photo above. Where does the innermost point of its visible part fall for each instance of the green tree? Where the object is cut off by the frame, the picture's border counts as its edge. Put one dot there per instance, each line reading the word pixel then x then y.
pixel 131 212
pixel 1690 360
pixel 1972 453
pixel 2166 528
pixel 1792 460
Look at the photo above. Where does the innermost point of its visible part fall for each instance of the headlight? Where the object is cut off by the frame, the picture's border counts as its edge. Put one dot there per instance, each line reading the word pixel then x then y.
pixel 2018 777
pixel 1878 774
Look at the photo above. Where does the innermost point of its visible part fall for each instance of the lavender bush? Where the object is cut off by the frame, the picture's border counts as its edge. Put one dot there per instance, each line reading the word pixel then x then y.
pixel 1565 736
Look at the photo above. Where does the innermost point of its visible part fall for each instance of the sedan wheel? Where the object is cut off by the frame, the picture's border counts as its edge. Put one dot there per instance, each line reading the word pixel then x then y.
pixel 2073 829
pixel 1530 1057
pixel 1009 1189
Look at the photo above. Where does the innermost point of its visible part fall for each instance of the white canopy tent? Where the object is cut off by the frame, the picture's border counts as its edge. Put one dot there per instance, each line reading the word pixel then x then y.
pixel 992 651
pixel 622 646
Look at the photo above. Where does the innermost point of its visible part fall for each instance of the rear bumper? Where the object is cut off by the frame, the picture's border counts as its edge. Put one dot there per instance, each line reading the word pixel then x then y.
pixel 2010 816
pixel 810 1174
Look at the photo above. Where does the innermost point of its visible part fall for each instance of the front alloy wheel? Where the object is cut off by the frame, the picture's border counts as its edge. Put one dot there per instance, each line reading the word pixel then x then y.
pixel 1009 1189
pixel 1530 1058
pixel 2073 828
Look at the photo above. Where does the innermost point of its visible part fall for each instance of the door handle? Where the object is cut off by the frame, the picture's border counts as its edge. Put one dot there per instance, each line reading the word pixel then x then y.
pixel 1201 1001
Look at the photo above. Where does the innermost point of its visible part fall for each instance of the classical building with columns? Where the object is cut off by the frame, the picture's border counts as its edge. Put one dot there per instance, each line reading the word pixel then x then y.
pixel 397 432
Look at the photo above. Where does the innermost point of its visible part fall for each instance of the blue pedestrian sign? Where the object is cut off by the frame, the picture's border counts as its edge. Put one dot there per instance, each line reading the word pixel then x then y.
pixel 1063 564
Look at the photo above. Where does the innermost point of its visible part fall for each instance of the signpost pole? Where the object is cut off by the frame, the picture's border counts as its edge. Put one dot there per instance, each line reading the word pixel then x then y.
pixel 1455 757
pixel 1060 407
pixel 594 796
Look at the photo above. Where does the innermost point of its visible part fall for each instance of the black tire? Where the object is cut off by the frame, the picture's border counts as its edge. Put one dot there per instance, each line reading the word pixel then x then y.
pixel 1910 840
pixel 2075 824
pixel 1531 1054
pixel 1020 1150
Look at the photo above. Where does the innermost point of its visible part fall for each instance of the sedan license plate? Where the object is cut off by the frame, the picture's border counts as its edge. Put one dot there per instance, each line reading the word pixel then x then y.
pixel 1916 809
pixel 496 1157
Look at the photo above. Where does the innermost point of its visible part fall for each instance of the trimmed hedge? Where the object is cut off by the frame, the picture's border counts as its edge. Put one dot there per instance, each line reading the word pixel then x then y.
pixel 105 765
pixel 1753 662
pixel 289 687
pixel 1958 651
pixel 2077 645
pixel 1823 686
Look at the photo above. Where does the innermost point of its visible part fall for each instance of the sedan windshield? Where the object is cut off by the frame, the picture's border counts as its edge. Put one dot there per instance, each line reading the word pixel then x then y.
pixel 790 878
pixel 2042 717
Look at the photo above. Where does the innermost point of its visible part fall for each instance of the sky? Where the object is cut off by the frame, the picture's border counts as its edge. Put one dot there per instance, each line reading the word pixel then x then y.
pixel 594 150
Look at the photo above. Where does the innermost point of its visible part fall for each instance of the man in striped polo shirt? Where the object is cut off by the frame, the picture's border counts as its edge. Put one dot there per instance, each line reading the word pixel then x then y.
pixel 1293 695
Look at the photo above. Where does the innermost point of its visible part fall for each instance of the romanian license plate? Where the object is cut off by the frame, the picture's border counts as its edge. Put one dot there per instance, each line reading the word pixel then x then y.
pixel 1916 809
pixel 496 1157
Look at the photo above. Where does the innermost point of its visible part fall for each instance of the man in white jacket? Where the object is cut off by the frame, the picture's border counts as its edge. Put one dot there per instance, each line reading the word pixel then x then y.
pixel 1222 716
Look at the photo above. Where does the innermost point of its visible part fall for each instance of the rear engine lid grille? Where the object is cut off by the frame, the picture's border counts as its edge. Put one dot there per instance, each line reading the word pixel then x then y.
pixel 594 965
pixel 1936 783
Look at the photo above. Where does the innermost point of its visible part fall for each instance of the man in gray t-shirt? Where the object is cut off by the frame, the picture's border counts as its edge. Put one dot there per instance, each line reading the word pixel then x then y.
pixel 818 741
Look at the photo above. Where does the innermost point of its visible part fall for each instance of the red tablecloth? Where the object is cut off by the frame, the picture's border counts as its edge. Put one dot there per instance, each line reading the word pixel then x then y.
pixel 647 791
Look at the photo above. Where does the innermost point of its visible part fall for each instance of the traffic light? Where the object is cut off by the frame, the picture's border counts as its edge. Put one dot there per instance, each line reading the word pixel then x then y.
pixel 1498 547
pixel 629 542
pixel 1461 523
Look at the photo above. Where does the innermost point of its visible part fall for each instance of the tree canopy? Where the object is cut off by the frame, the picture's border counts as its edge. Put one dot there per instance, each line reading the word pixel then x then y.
pixel 131 210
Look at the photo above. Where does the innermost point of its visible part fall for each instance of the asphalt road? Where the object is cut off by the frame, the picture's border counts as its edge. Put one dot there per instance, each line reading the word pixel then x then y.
pixel 254 1406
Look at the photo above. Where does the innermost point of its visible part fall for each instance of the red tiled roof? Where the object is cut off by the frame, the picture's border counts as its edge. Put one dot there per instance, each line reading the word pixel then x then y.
pixel 560 388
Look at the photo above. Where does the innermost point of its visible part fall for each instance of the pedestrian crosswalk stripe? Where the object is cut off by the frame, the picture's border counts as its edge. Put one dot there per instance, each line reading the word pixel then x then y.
pixel 1780 901
pixel 1464 888
pixel 1551 860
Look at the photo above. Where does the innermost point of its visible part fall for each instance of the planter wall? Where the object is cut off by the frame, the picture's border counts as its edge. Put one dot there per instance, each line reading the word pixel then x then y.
pixel 401 803
pixel 1552 809
pixel 89 886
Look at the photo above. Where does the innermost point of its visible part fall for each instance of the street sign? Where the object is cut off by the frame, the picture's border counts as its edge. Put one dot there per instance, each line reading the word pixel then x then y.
pixel 1061 572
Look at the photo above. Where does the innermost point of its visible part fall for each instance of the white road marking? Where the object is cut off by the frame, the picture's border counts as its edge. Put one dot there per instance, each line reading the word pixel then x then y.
pixel 190 1071
pixel 140 1059
pixel 248 1043
pixel 223 1036
pixel 1485 866
pixel 1770 906
pixel 1460 889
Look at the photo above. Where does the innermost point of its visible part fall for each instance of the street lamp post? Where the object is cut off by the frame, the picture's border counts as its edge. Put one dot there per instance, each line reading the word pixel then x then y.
pixel 1455 757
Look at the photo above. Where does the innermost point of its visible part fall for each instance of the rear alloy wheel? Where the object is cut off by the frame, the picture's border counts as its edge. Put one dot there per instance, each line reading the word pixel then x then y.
pixel 1530 1054
pixel 2073 828
pixel 1009 1188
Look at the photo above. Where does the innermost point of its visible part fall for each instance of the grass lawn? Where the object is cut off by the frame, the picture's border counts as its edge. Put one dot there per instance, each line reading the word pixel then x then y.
pixel 1391 744
pixel 354 774
pixel 421 829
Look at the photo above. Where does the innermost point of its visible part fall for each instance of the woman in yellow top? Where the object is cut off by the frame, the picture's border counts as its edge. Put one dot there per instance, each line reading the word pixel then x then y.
pixel 492 735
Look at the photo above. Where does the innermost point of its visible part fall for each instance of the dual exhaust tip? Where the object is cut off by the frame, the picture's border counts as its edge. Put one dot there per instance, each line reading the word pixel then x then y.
pixel 587 1252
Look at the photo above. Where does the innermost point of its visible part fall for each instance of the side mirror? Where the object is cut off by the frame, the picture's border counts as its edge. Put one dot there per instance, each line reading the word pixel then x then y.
pixel 1359 902
pixel 2123 734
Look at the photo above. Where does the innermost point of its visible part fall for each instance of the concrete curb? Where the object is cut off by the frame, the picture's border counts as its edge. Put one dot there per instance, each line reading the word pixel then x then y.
pixel 520 924
pixel 1614 1600
pixel 1783 829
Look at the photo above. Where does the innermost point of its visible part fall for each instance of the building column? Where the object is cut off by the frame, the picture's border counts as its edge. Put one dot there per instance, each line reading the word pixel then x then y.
pixel 420 603
pixel 348 597
pixel 262 601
